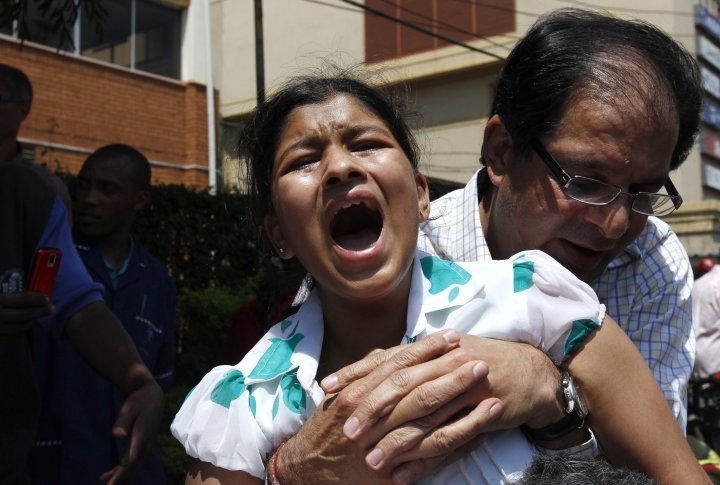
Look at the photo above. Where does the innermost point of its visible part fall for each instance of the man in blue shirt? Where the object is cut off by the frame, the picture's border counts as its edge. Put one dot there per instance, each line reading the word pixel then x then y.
pixel 34 215
pixel 73 443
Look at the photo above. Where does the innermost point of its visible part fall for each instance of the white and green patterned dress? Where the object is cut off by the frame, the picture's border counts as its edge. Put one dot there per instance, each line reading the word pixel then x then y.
pixel 237 415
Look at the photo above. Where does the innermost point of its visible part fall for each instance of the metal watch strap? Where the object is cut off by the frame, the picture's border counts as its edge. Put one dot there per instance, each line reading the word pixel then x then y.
pixel 574 418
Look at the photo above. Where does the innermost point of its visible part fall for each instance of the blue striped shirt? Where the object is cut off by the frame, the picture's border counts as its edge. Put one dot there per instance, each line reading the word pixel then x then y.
pixel 646 288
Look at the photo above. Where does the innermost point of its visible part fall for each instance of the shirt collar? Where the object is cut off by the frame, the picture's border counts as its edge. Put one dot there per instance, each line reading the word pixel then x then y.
pixel 465 226
pixel 115 275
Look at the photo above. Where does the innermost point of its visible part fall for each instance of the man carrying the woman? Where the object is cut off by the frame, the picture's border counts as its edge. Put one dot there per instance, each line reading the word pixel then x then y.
pixel 593 171
pixel 582 99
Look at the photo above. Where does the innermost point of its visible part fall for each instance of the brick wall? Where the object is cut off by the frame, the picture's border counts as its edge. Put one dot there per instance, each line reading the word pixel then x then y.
pixel 81 105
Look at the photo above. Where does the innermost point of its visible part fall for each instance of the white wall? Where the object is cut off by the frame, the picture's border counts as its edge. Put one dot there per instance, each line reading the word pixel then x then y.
pixel 194 47
pixel 297 35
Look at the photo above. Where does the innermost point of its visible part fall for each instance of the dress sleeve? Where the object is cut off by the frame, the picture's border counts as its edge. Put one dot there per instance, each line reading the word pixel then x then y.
pixel 528 298
pixel 238 415
pixel 217 424
pixel 564 310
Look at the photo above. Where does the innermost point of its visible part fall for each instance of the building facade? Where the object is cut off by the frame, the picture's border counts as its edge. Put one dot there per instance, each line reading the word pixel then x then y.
pixel 449 85
pixel 124 85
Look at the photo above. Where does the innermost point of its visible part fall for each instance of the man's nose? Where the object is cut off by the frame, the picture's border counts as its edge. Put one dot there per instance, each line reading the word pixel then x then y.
pixel 613 219
pixel 87 196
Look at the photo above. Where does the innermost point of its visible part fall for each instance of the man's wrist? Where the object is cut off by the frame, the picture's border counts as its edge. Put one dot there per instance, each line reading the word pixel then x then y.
pixel 552 410
pixel 573 419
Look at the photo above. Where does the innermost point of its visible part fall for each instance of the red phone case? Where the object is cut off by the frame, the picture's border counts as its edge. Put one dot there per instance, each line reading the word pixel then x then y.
pixel 44 270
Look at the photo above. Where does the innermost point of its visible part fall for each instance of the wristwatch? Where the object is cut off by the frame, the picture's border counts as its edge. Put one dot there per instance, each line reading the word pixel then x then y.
pixel 575 413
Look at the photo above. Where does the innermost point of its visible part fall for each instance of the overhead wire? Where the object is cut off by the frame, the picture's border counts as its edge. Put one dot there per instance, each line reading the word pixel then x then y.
pixel 580 3
pixel 413 26
pixel 332 5
pixel 511 35
pixel 446 25
pixel 349 9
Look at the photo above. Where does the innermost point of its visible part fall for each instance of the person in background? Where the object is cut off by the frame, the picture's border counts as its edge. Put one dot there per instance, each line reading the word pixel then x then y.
pixel 34 215
pixel 706 318
pixel 73 444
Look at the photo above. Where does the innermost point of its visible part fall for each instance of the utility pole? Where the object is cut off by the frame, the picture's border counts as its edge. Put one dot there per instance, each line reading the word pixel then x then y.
pixel 259 53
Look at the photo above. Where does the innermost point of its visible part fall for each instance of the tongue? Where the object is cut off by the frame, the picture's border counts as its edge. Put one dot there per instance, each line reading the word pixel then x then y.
pixel 357 241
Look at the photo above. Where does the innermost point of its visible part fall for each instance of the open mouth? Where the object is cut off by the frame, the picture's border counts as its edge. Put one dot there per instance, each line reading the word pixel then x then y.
pixel 356 227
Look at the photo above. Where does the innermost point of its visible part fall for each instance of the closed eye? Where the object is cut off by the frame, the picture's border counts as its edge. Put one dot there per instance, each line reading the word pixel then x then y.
pixel 303 162
pixel 369 145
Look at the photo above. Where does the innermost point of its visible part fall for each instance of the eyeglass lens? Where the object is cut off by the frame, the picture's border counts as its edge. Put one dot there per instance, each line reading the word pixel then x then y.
pixel 596 192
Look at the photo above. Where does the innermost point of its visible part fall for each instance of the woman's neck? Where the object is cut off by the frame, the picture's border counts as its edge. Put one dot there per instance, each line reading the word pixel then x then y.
pixel 354 328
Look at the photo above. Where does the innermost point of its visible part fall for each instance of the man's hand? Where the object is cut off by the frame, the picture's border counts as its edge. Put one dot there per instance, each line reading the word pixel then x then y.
pixel 421 415
pixel 322 451
pixel 101 340
pixel 18 311
pixel 138 421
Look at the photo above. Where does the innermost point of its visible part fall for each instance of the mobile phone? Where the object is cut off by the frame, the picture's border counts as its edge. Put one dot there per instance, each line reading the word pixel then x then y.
pixel 46 263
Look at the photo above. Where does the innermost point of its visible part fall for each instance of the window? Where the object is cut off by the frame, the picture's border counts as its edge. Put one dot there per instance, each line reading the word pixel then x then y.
pixel 459 20
pixel 111 42
pixel 157 39
pixel 155 45
pixel 6 28
pixel 139 34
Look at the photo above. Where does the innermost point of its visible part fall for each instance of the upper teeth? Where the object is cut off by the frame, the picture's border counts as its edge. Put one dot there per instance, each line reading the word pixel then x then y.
pixel 350 204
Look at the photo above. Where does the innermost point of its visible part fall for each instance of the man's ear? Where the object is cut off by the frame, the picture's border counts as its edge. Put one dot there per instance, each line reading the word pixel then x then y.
pixel 497 149
pixel 142 198
pixel 25 110
pixel 423 196
pixel 275 235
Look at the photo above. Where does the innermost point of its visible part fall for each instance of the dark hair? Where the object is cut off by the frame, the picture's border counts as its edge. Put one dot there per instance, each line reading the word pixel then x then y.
pixel 141 171
pixel 17 83
pixel 573 52
pixel 260 137
pixel 566 469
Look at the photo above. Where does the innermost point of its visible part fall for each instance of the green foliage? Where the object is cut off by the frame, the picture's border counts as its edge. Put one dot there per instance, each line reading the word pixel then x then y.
pixel 204 318
pixel 203 323
pixel 205 240
pixel 174 459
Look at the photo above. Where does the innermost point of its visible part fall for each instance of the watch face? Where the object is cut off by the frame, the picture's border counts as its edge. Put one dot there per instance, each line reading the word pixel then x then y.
pixel 573 399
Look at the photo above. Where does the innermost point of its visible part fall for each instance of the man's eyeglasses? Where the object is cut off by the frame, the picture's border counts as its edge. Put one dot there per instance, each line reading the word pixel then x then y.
pixel 11 99
pixel 595 192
